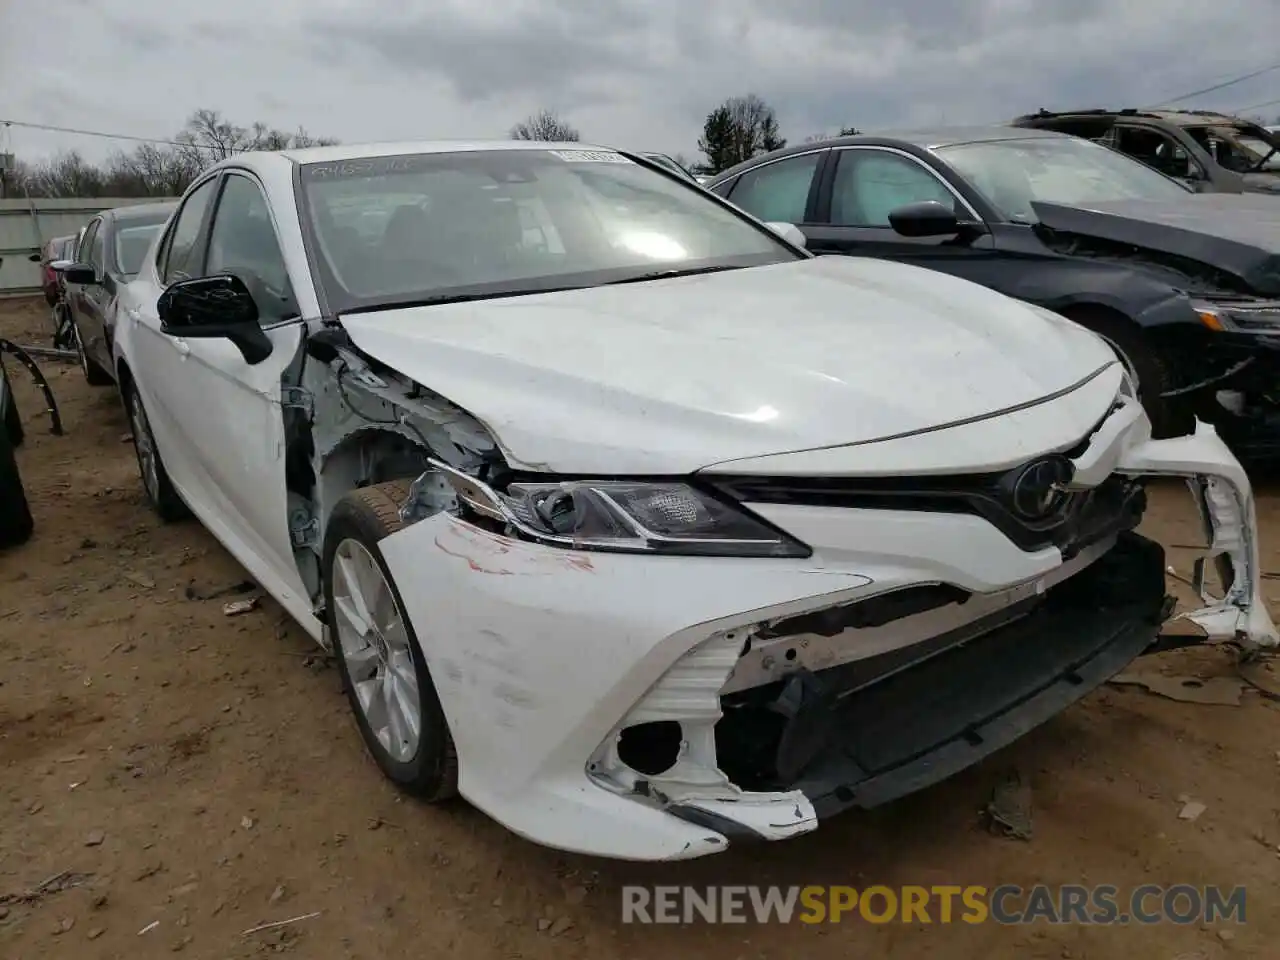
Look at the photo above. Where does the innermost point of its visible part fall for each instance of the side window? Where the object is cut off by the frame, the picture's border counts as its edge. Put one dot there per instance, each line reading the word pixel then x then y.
pixel 98 249
pixel 85 247
pixel 1156 149
pixel 870 184
pixel 777 191
pixel 722 189
pixel 243 242
pixel 181 260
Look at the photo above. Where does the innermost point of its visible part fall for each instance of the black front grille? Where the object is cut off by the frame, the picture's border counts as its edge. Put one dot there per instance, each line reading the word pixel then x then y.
pixel 1082 517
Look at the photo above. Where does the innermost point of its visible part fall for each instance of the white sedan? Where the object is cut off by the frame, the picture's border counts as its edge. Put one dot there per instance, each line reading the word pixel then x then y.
pixel 626 518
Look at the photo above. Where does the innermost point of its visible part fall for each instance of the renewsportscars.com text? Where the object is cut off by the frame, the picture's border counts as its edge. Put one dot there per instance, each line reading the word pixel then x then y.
pixel 1004 904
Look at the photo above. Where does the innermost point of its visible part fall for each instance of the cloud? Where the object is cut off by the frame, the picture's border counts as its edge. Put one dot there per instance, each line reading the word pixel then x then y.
pixel 634 73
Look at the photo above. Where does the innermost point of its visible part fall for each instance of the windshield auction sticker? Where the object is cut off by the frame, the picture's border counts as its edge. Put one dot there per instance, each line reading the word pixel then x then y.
pixel 589 156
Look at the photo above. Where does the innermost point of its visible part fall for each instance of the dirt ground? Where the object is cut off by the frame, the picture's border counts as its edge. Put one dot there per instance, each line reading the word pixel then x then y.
pixel 190 775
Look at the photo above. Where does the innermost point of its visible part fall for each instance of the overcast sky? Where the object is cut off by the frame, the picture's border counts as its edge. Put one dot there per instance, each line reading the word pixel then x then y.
pixel 632 73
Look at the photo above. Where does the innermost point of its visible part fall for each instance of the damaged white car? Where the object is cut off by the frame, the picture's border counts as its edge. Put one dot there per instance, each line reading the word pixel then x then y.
pixel 626 518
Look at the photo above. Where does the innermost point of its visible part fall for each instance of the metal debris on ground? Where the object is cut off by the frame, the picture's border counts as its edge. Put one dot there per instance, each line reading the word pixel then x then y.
pixel 279 923
pixel 1191 810
pixel 236 607
pixel 65 880
pixel 1223 691
pixel 1008 812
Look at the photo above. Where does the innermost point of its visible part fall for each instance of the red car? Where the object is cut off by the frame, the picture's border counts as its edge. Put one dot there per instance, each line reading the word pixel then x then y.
pixel 59 248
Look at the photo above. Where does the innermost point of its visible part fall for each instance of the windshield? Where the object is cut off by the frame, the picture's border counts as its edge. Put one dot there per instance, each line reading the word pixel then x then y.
pixel 1015 173
pixel 132 243
pixel 1262 149
pixel 1237 148
pixel 404 229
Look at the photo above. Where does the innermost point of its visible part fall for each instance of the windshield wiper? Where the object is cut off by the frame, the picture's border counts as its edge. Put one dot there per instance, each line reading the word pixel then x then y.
pixel 664 274
pixel 454 298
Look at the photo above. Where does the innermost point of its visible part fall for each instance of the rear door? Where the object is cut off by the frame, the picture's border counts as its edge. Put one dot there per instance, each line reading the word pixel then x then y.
pixel 779 191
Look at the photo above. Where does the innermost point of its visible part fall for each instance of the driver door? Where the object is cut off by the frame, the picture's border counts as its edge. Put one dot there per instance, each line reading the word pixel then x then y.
pixel 226 415
pixel 866 185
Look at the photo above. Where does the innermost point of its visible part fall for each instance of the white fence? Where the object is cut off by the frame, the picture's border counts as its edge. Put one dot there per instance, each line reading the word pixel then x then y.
pixel 27 225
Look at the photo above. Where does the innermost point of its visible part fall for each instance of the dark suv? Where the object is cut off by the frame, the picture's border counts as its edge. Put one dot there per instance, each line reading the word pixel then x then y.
pixel 1212 152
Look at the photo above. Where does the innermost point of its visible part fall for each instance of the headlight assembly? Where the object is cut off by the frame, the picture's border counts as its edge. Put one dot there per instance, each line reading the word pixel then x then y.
pixel 1240 316
pixel 627 516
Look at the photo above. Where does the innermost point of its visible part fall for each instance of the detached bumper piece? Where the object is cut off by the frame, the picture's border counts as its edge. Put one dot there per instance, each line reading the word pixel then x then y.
pixel 864 736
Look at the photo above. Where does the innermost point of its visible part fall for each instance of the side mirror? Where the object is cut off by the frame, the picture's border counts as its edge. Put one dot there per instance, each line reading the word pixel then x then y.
pixel 927 218
pixel 789 232
pixel 79 273
pixel 209 307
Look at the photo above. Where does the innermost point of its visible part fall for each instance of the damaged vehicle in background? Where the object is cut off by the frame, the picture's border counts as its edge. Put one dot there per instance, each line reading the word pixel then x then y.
pixel 604 545
pixel 1184 286
pixel 1211 152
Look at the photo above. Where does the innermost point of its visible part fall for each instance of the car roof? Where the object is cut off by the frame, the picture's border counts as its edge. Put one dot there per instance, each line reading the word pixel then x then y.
pixel 356 151
pixel 264 160
pixel 1181 118
pixel 932 138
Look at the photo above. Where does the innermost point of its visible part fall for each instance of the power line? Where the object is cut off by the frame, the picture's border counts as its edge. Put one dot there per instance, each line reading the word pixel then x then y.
pixel 99 133
pixel 1258 106
pixel 1217 86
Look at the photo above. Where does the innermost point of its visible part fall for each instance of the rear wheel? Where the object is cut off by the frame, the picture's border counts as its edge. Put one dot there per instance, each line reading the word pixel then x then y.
pixel 163 497
pixel 1152 371
pixel 92 370
pixel 383 671
pixel 16 524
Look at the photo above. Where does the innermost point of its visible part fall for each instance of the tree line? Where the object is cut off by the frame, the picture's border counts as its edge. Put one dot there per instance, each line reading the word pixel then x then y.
pixel 736 130
pixel 151 169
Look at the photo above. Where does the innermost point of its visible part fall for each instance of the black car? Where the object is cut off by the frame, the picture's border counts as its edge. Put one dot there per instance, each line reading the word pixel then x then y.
pixel 109 255
pixel 1185 286
pixel 1212 152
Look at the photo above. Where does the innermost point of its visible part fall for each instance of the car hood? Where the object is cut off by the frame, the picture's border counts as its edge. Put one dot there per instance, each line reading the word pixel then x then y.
pixel 1235 233
pixel 668 376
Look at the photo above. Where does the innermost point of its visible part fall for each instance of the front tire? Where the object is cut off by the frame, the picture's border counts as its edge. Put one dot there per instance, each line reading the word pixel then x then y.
pixel 384 673
pixel 159 489
pixel 1151 370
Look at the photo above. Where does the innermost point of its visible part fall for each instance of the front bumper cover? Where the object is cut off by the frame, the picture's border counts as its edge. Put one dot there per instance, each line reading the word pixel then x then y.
pixel 542 657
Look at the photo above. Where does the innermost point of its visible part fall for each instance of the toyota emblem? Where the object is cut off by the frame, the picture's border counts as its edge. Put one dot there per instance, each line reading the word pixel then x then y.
pixel 1039 489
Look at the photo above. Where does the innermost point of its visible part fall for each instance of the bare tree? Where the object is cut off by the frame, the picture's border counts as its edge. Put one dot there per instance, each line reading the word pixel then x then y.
pixel 546 126
pixel 739 129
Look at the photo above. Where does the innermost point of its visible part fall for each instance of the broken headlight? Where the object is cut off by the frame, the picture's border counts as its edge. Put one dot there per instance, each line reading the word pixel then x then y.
pixel 632 516
pixel 1239 316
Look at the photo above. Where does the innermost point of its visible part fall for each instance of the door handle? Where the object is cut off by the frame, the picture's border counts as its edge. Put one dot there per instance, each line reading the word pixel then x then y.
pixel 181 346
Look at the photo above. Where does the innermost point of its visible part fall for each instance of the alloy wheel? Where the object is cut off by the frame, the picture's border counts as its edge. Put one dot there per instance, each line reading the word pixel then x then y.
pixel 374 645
pixel 145 446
